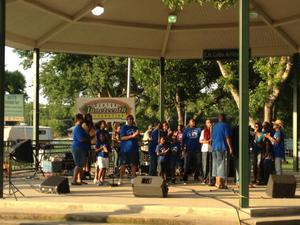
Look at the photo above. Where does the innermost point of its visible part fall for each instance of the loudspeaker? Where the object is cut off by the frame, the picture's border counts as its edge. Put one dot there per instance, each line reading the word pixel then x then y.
pixel 149 186
pixel 55 185
pixel 281 186
pixel 22 152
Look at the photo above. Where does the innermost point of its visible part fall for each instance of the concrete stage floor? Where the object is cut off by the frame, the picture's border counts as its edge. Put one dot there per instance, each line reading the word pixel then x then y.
pixel 193 203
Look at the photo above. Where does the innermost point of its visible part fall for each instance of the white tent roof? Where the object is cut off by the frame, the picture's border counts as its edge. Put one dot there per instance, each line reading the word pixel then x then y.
pixel 139 28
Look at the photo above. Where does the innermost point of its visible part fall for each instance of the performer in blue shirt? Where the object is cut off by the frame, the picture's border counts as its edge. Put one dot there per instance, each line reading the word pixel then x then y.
pixel 220 142
pixel 191 150
pixel 129 154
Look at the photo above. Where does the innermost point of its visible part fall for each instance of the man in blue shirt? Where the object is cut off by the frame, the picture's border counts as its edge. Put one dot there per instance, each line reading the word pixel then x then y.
pixel 191 150
pixel 277 140
pixel 129 154
pixel 155 136
pixel 220 142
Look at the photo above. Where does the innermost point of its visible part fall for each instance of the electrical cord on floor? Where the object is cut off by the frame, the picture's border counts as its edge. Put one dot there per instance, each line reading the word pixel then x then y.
pixel 220 200
pixel 231 205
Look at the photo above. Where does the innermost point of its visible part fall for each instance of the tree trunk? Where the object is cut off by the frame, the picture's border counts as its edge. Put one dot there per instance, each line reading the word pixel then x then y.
pixel 179 106
pixel 274 89
pixel 234 91
pixel 267 112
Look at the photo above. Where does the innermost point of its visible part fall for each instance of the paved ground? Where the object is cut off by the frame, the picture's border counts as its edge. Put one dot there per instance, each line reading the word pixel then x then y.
pixel 186 204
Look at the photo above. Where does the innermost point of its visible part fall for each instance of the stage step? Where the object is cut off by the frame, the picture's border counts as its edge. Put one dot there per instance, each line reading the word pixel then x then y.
pixel 279 220
pixel 43 222
pixel 273 212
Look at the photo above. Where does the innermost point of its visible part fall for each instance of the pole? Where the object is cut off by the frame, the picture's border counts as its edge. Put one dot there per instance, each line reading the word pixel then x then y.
pixel 128 77
pixel 244 102
pixel 2 89
pixel 36 108
pixel 161 89
pixel 295 111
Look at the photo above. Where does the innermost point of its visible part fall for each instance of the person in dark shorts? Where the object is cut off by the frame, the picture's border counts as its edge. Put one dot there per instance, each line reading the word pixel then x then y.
pixel 129 154
pixel 80 147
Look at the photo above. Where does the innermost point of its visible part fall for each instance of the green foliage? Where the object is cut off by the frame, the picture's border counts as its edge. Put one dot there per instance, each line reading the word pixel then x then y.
pixel 145 76
pixel 27 57
pixel 192 78
pixel 175 5
pixel 67 76
pixel 15 82
pixel 58 117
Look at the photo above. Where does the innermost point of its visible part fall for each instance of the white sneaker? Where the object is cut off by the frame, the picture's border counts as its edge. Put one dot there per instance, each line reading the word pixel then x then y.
pixel 120 182
pixel 95 181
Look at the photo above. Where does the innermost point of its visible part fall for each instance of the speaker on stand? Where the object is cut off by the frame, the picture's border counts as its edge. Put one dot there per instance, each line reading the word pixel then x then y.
pixel 21 152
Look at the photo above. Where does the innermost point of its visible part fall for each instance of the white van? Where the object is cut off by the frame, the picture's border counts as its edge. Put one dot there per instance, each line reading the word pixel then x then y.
pixel 18 133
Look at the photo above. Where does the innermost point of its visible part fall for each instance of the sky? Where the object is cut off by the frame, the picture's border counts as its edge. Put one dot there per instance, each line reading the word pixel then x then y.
pixel 12 63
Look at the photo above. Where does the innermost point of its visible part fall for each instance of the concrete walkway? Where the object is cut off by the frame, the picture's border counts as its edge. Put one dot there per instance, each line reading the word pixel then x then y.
pixel 194 203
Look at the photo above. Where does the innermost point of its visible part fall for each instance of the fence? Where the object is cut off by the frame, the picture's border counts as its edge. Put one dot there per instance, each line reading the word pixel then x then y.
pixel 288 146
pixel 57 149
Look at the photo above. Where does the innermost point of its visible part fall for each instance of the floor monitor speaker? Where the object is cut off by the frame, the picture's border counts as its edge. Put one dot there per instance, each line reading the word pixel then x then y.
pixel 55 185
pixel 281 186
pixel 150 186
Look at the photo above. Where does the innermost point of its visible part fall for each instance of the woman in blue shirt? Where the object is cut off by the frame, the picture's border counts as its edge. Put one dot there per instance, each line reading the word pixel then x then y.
pixel 80 147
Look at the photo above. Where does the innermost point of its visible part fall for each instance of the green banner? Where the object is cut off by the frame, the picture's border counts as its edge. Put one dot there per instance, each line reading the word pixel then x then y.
pixel 14 108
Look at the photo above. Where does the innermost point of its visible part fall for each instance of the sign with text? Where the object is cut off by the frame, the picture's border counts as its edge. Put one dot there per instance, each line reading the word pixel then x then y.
pixel 219 54
pixel 14 108
pixel 109 109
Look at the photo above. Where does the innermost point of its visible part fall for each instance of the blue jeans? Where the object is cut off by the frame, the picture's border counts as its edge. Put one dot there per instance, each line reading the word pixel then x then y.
pixel 218 169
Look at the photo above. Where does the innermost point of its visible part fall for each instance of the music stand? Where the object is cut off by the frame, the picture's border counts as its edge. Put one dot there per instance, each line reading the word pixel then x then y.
pixel 113 184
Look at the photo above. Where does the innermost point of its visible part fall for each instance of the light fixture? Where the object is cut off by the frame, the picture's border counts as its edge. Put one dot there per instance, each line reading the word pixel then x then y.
pixel 172 18
pixel 253 14
pixel 98 10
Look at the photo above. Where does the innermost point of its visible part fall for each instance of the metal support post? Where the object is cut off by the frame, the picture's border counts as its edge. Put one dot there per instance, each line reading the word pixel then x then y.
pixel 296 72
pixel 244 102
pixel 161 89
pixel 36 106
pixel 2 89
pixel 128 77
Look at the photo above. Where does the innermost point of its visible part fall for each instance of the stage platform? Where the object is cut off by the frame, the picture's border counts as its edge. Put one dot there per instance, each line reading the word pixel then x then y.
pixel 194 203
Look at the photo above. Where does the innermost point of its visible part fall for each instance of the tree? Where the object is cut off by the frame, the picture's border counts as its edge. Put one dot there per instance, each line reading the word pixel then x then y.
pixel 65 77
pixel 268 76
pixel 274 71
pixel 15 82
pixel 185 82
